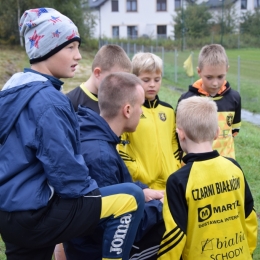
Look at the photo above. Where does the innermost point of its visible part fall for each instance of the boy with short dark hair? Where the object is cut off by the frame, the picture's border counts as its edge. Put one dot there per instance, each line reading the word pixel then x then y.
pixel 47 196
pixel 208 207
pixel 120 100
pixel 212 69
pixel 110 58
pixel 151 153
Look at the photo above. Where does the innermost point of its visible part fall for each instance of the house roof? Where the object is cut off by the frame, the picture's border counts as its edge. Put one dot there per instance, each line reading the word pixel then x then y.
pixel 96 3
pixel 218 3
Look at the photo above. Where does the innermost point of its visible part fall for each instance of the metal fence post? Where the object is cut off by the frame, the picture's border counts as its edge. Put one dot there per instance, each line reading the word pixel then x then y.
pixel 128 49
pixel 175 65
pixel 238 74
pixel 163 60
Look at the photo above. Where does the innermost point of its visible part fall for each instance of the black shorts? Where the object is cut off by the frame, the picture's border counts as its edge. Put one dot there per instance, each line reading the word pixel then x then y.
pixel 59 221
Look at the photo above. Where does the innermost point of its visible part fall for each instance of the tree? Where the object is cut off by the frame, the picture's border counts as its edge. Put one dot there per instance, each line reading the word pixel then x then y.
pixel 11 10
pixel 250 23
pixel 227 19
pixel 89 20
pixel 194 21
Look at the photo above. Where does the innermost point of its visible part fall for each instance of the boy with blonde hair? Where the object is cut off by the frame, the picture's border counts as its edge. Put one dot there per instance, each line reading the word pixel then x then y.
pixel 208 207
pixel 151 152
pixel 212 69
pixel 110 58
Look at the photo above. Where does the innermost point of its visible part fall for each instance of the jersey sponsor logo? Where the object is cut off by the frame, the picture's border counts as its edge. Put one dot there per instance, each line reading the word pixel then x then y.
pixel 224 247
pixel 204 213
pixel 120 234
pixel 215 188
pixel 229 119
pixel 208 211
pixel 226 207
pixel 162 116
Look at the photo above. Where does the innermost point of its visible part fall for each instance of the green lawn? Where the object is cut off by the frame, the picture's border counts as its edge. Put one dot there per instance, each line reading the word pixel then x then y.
pixel 247 82
pixel 247 143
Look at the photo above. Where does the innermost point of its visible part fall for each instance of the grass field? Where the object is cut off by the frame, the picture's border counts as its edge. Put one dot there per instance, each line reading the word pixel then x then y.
pixel 247 143
pixel 243 73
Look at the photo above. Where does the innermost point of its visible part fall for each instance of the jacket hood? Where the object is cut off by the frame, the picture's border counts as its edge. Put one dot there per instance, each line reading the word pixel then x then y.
pixel 15 95
pixel 94 127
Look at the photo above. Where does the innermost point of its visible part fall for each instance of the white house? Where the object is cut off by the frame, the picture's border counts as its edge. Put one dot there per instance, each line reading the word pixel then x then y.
pixel 147 18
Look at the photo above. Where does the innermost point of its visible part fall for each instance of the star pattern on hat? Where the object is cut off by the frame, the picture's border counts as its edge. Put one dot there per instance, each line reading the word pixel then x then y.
pixel 56 34
pixel 34 40
pixel 39 11
pixel 30 24
pixel 71 36
pixel 55 19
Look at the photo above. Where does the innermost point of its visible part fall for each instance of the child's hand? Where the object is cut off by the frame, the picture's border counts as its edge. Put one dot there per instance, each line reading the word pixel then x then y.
pixel 150 194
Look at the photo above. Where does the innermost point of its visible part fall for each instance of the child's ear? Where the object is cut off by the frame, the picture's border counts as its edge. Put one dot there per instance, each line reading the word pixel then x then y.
pixel 198 70
pixel 228 68
pixel 217 133
pixel 97 72
pixel 180 133
pixel 126 110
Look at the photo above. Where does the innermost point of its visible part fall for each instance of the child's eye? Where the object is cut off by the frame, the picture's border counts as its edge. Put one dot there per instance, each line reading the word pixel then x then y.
pixel 70 46
pixel 220 77
pixel 208 77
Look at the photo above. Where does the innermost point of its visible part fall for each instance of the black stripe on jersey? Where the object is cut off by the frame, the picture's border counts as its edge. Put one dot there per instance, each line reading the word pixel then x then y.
pixel 126 157
pixel 172 240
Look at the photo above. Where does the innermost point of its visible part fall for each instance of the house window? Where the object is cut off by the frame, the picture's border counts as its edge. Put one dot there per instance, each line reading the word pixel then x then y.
pixel 132 32
pixel 115 32
pixel 131 5
pixel 161 5
pixel 257 3
pixel 177 4
pixel 243 4
pixel 161 31
pixel 114 5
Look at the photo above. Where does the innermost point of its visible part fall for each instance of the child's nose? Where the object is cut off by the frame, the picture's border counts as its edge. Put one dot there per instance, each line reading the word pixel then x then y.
pixel 78 55
pixel 215 82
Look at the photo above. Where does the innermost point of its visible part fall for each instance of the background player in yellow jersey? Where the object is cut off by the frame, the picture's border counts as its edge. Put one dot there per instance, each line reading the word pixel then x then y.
pixel 151 152
pixel 212 69
pixel 208 207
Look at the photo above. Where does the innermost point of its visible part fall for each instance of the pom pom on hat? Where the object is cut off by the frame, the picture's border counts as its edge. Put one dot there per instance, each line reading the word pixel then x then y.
pixel 46 31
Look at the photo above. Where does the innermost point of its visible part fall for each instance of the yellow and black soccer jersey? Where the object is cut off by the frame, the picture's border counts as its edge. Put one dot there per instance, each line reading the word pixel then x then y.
pixel 229 115
pixel 151 152
pixel 82 96
pixel 208 211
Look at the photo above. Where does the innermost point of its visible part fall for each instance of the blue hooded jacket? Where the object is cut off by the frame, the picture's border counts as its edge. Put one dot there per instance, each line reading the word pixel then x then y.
pixel 39 144
pixel 98 144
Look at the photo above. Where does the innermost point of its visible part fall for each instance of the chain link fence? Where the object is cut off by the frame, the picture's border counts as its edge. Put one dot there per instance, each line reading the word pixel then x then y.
pixel 243 73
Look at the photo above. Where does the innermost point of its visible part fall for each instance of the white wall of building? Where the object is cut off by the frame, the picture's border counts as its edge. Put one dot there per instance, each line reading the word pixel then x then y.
pixel 147 18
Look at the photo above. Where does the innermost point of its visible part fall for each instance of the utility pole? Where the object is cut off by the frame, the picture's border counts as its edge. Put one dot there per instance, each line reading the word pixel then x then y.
pixel 18 19
pixel 182 26
pixel 99 28
pixel 222 23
